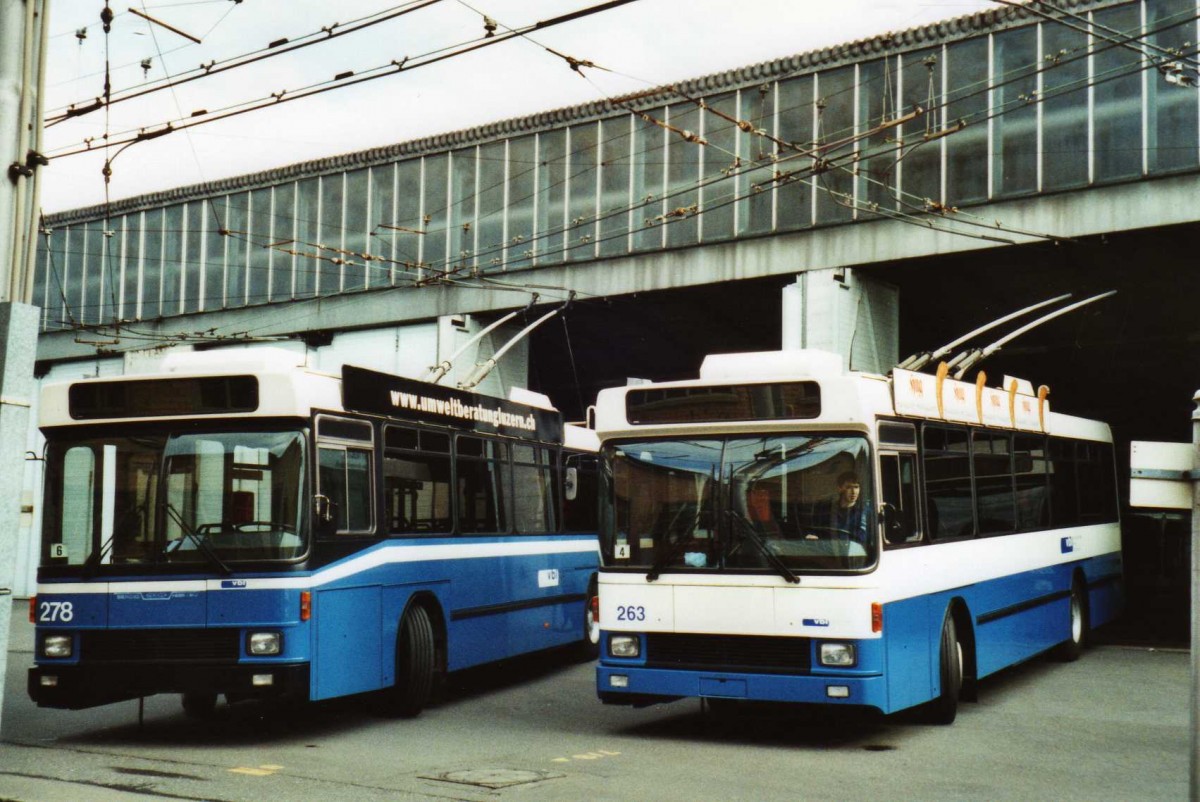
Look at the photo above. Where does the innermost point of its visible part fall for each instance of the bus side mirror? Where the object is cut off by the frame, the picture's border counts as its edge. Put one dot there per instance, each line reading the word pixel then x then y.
pixel 323 517
pixel 893 527
pixel 571 483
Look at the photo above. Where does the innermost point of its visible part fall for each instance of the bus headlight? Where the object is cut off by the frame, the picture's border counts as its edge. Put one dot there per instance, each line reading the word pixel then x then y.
pixel 58 646
pixel 264 644
pixel 624 645
pixel 837 654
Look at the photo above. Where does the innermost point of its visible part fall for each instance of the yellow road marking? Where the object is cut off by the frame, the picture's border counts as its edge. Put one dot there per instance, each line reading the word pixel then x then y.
pixel 262 771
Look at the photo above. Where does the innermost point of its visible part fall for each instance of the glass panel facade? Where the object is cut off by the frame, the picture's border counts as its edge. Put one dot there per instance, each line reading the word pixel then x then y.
pixel 283 231
pixel 921 164
pixel 835 134
pixel 1064 108
pixel 615 185
pixel 1117 77
pixel 131 265
pixel 490 237
pixel 358 224
pixel 683 171
pixel 649 162
pixel 379 240
pixel 1014 132
pixel 434 188
pixel 581 204
pixel 793 197
pixel 1035 107
pixel 721 167
pixel 551 195
pixel 212 280
pixel 326 246
pixel 172 260
pixel 237 253
pixel 152 254
pixel 758 152
pixel 462 229
pixel 877 106
pixel 1171 135
pixel 967 104
pixel 522 187
pixel 195 218
pixel 308 213
pixel 409 229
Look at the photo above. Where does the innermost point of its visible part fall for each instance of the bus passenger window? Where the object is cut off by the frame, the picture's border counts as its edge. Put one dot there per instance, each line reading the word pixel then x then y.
pixel 483 490
pixel 416 480
pixel 948 497
pixel 1030 474
pixel 992 459
pixel 532 510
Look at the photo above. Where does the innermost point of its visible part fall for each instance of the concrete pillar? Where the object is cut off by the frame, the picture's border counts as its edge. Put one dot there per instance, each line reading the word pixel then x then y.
pixel 18 343
pixel 845 312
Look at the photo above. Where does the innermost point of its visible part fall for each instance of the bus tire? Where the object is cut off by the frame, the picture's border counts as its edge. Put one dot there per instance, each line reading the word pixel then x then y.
pixel 944 709
pixel 589 647
pixel 199 705
pixel 416 653
pixel 1069 650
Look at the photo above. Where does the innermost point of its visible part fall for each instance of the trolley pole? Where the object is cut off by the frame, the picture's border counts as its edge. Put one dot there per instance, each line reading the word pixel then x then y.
pixel 22 75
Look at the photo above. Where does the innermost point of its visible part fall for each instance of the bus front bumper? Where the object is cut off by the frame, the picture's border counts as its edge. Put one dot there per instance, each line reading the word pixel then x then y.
pixel 639 686
pixel 80 686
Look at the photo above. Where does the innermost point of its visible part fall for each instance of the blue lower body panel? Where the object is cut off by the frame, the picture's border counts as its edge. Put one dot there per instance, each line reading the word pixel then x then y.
pixel 651 685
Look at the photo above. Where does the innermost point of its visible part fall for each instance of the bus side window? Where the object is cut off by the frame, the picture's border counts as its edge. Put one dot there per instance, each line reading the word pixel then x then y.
pixel 484 492
pixel 899 491
pixel 580 511
pixel 345 479
pixel 416 480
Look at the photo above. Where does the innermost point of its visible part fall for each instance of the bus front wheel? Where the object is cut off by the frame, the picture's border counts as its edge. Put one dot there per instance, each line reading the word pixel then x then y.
pixel 589 647
pixel 415 656
pixel 944 709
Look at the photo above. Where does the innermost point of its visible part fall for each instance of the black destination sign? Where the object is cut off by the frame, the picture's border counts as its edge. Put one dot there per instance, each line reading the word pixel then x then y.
pixel 370 391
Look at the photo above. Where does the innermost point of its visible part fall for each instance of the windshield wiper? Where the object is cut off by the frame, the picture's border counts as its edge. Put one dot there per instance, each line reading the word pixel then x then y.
pixel 757 540
pixel 677 548
pixel 201 543
pixel 92 563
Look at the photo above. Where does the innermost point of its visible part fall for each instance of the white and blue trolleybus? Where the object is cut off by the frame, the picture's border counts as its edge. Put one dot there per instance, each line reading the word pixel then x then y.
pixel 783 529
pixel 238 524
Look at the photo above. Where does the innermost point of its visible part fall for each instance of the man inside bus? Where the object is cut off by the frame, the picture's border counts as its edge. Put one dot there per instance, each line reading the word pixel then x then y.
pixel 844 517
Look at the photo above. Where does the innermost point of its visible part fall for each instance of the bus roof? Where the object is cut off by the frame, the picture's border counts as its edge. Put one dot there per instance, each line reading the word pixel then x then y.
pixel 782 389
pixel 275 383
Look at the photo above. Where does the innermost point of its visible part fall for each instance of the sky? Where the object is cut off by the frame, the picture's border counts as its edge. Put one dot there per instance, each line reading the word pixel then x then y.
pixel 642 44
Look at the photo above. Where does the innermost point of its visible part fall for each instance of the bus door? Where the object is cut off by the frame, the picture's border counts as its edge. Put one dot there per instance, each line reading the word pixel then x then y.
pixel 898 483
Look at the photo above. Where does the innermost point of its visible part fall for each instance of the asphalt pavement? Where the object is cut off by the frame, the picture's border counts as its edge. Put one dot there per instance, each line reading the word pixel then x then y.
pixel 1113 725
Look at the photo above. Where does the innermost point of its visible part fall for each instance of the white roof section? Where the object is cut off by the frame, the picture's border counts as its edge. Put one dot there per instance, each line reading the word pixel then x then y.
pixel 853 400
pixel 771 366
pixel 286 388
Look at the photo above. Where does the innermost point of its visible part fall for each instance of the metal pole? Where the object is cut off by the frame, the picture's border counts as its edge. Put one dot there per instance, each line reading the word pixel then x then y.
pixel 22 33
pixel 1194 756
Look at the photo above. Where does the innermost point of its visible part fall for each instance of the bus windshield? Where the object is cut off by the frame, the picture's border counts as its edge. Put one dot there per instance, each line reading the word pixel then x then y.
pixel 779 503
pixel 175 497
